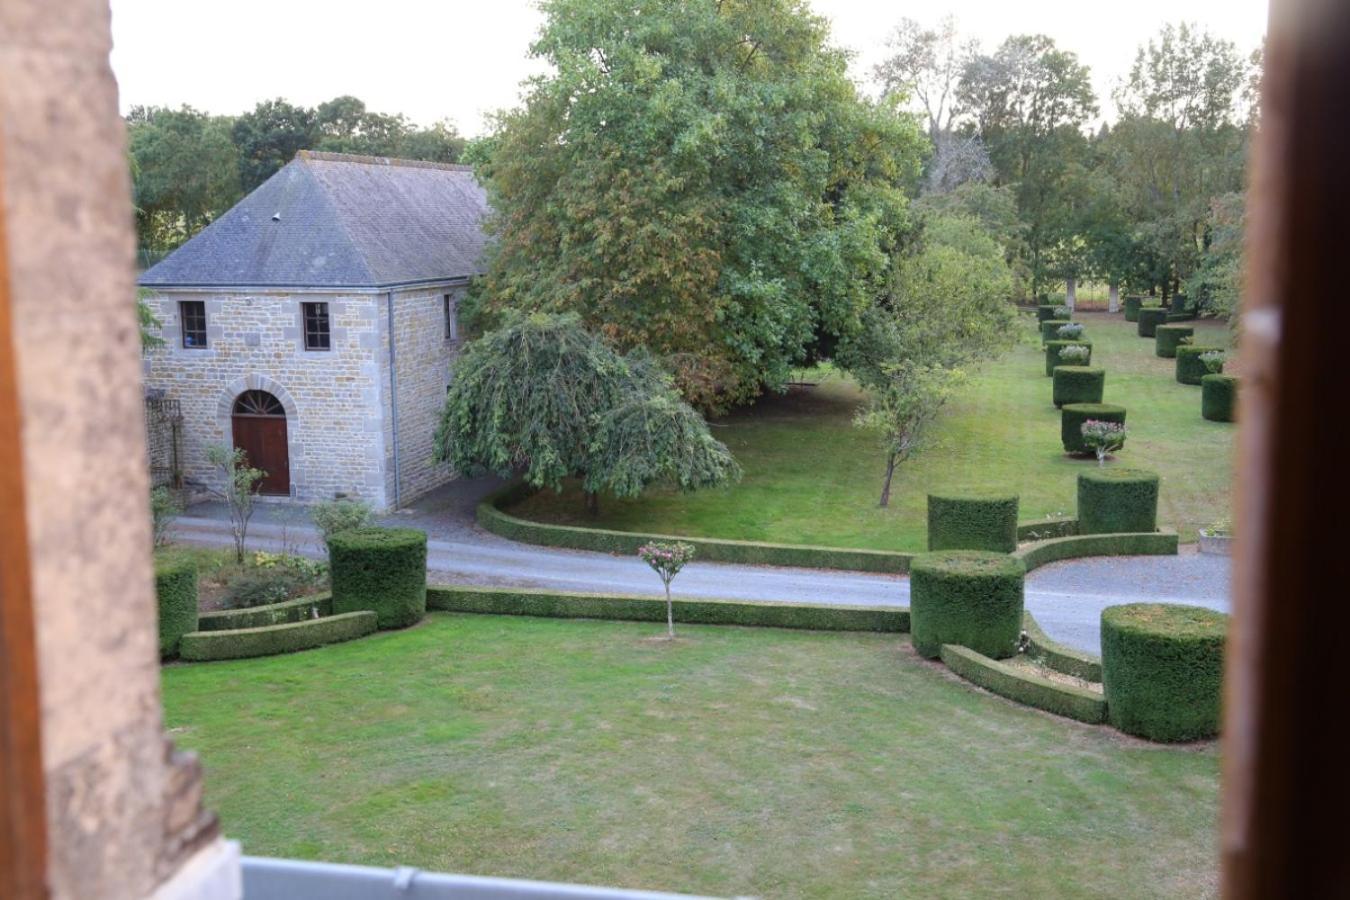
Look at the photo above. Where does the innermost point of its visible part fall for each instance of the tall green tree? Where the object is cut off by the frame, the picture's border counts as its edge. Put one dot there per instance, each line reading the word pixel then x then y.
pixel 269 136
pixel 700 178
pixel 185 172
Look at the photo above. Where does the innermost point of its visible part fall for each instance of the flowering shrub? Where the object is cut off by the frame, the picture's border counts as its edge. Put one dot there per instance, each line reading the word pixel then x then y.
pixel 1103 437
pixel 1062 312
pixel 1213 360
pixel 1075 354
pixel 1071 332
pixel 667 559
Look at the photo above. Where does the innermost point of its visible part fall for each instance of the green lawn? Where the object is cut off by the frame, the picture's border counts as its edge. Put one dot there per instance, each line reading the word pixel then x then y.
pixel 811 478
pixel 735 761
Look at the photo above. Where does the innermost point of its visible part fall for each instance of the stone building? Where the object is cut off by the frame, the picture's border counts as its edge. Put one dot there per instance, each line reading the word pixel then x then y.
pixel 314 325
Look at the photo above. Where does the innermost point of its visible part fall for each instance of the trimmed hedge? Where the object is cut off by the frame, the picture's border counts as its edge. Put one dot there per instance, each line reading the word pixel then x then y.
pixel 380 569
pixel 1150 318
pixel 1078 384
pixel 1045 311
pixel 1167 338
pixel 967 597
pixel 1179 303
pixel 1024 687
pixel 1117 501
pixel 625 543
pixel 270 640
pixel 1042 529
pixel 574 605
pixel 1054 655
pixel 1162 669
pixel 297 610
pixel 1050 327
pixel 1190 368
pixel 978 521
pixel 1132 307
pixel 1156 543
pixel 1218 397
pixel 1073 415
pixel 176 591
pixel 1052 349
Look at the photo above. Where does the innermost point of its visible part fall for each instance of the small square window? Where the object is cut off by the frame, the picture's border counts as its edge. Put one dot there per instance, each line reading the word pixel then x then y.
pixel 192 314
pixel 316 326
pixel 451 326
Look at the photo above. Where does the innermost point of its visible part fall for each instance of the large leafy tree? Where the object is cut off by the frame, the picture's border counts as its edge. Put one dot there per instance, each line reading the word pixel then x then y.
pixel 269 136
pixel 699 178
pixel 544 397
pixel 185 172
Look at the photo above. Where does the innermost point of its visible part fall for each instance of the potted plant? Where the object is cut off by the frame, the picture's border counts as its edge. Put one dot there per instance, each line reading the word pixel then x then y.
pixel 1217 539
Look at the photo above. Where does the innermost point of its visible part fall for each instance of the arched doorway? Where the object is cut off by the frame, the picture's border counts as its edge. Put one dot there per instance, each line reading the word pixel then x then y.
pixel 259 424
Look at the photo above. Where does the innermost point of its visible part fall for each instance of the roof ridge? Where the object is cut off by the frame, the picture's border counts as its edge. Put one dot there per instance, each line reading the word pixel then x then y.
pixel 329 156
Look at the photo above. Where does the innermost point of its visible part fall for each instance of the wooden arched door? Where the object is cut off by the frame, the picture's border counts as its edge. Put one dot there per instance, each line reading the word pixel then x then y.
pixel 259 424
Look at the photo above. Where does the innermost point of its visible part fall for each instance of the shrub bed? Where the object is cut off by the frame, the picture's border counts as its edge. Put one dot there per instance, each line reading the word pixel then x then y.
pixel 273 639
pixel 1162 670
pixel 967 597
pixel 1218 397
pixel 296 610
pixel 573 605
pixel 1073 415
pixel 1078 384
pixel 1150 317
pixel 1032 690
pixel 1190 367
pixel 972 522
pixel 1052 358
pixel 492 518
pixel 380 569
pixel 1050 327
pixel 176 592
pixel 1167 338
pixel 1117 501
pixel 1132 305
pixel 1045 311
pixel 1156 543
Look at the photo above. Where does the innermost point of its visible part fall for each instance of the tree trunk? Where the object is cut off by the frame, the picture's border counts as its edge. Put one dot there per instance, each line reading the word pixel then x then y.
pixel 670 614
pixel 1113 298
pixel 886 485
pixel 593 503
pixel 1070 292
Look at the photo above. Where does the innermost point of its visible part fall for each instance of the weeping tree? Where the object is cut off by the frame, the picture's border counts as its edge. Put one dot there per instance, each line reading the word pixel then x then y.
pixel 544 397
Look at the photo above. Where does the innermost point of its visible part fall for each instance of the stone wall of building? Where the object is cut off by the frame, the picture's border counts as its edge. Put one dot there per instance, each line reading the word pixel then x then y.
pixel 424 355
pixel 334 420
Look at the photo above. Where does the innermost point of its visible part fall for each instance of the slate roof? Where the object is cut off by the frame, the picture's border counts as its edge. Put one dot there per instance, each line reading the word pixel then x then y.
pixel 334 220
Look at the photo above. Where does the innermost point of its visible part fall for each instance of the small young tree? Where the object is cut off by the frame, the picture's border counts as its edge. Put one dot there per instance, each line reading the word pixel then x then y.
pixel 164 508
pixel 899 410
pixel 667 559
pixel 1103 438
pixel 239 490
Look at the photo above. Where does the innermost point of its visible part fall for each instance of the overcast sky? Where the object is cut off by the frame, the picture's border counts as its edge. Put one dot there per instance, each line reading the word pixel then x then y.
pixel 458 59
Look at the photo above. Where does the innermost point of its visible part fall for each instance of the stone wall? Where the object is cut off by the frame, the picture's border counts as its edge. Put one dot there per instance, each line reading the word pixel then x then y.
pixel 423 356
pixel 334 421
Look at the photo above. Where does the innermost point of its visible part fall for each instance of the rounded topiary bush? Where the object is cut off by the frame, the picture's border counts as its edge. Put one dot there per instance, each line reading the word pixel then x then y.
pixel 1049 327
pixel 1218 397
pixel 1073 415
pixel 1179 304
pixel 176 590
pixel 1150 317
pixel 1132 306
pixel 967 597
pixel 1053 358
pixel 1112 501
pixel 1190 367
pixel 972 522
pixel 381 569
pixel 1078 384
pixel 1162 670
pixel 1167 338
pixel 1045 311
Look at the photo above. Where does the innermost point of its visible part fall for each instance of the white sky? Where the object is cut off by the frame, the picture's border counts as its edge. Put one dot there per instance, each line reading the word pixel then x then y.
pixel 459 59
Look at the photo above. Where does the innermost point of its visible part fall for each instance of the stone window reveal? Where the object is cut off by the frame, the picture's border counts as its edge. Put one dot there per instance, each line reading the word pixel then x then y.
pixel 192 313
pixel 316 326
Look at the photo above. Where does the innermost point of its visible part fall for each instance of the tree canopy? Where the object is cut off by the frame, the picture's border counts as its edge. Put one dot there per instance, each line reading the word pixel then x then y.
pixel 701 179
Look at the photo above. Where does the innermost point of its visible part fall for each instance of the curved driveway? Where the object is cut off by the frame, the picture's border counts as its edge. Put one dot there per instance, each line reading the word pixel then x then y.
pixel 1066 598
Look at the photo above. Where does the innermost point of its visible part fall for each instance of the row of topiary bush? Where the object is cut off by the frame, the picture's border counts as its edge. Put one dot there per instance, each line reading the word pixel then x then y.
pixel 1194 364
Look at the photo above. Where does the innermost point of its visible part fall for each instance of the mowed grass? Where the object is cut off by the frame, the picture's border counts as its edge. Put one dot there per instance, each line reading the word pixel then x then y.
pixel 736 761
pixel 812 478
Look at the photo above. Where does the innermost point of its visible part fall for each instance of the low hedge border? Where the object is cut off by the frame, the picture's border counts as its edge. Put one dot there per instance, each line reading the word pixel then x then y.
pixel 241 643
pixel 625 543
pixel 577 605
pixel 296 610
pixel 1031 690
pixel 1157 543
pixel 1051 527
pixel 1060 657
